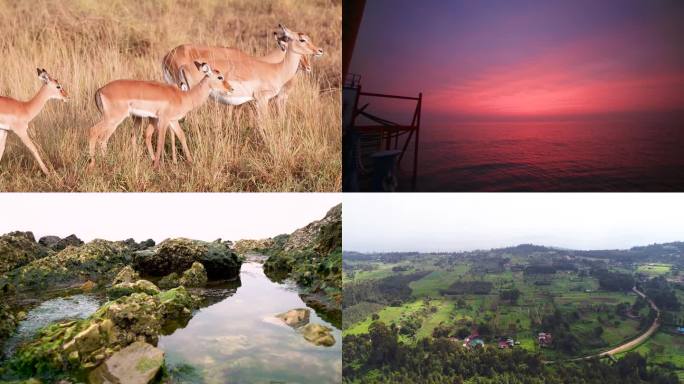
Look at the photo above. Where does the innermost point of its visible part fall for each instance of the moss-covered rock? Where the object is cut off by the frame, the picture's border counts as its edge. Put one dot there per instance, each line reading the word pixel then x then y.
pixel 195 276
pixel 177 255
pixel 295 318
pixel 318 334
pixel 171 280
pixel 127 288
pixel 18 249
pixel 138 363
pixel 8 322
pixel 79 346
pixel 97 261
pixel 126 275
pixel 312 256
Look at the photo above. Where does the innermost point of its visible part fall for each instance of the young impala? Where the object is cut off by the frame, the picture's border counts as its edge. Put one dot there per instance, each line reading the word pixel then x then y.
pixel 253 79
pixel 184 55
pixel 16 115
pixel 164 103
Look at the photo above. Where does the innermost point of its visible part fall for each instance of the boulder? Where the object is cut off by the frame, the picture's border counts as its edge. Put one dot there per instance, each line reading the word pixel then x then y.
pixel 318 334
pixel 177 255
pixel 195 276
pixel 125 289
pixel 18 249
pixel 126 275
pixel 97 261
pixel 77 346
pixel 70 240
pixel 138 363
pixel 171 280
pixel 88 286
pixel 49 241
pixel 295 318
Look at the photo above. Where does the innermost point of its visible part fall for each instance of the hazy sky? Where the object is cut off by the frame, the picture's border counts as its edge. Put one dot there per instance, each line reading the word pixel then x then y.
pixel 528 58
pixel 205 216
pixel 460 221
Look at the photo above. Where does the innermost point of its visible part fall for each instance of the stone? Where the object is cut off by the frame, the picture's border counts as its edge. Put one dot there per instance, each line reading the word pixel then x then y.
pixel 195 276
pixel 172 280
pixel 49 241
pixel 295 318
pixel 138 363
pixel 177 255
pixel 87 340
pixel 88 286
pixel 126 275
pixel 70 240
pixel 125 289
pixel 318 334
pixel 18 249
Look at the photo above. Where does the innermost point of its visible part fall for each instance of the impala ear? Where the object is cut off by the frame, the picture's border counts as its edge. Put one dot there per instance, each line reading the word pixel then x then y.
pixel 43 75
pixel 184 86
pixel 203 67
pixel 286 32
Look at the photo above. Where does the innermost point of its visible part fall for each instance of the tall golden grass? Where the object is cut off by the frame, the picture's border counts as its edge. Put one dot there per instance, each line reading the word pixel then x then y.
pixel 88 43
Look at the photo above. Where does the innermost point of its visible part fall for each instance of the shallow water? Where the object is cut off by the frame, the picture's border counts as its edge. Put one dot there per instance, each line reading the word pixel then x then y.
pixel 557 156
pixel 52 311
pixel 237 340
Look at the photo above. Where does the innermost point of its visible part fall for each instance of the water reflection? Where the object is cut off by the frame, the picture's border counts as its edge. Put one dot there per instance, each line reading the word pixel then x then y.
pixel 237 341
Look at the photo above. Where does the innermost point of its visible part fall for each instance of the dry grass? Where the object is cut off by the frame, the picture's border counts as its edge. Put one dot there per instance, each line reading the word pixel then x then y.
pixel 87 43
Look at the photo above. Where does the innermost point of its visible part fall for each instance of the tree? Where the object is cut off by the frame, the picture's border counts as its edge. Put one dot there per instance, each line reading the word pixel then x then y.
pixel 511 295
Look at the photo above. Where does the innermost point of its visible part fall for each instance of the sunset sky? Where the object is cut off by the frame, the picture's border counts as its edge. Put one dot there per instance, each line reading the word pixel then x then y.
pixel 482 60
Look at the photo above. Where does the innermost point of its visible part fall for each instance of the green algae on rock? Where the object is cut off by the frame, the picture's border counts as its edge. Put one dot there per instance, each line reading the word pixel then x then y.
pixel 312 256
pixel 96 261
pixel 138 363
pixel 127 288
pixel 18 249
pixel 80 346
pixel 195 276
pixel 318 334
pixel 177 255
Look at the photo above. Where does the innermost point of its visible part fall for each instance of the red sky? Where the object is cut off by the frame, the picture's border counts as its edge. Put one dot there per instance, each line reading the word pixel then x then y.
pixel 480 60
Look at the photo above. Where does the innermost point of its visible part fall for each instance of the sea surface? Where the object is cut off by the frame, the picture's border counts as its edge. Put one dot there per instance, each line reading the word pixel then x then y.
pixel 237 340
pixel 557 156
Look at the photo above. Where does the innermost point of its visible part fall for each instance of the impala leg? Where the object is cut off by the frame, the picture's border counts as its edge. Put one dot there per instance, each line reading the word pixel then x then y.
pixel 108 131
pixel 173 146
pixel 162 126
pixel 148 137
pixel 137 121
pixel 95 133
pixel 176 129
pixel 3 141
pixel 24 137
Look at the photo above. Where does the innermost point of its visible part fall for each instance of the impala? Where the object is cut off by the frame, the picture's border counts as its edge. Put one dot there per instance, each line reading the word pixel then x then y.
pixel 184 55
pixel 16 115
pixel 253 79
pixel 164 103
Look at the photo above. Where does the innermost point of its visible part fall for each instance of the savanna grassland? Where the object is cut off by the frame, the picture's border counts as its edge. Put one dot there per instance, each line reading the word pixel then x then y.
pixel 88 43
pixel 428 302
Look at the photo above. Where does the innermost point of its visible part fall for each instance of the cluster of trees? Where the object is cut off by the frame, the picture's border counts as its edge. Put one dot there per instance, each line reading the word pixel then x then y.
pixel 378 357
pixel 510 295
pixel 472 287
pixel 658 289
pixel 614 281
pixel 391 290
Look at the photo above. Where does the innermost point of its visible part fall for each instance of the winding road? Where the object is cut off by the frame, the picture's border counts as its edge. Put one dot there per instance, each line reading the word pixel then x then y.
pixel 630 344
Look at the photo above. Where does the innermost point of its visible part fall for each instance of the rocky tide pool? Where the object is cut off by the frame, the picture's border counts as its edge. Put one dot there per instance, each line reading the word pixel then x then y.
pixel 51 311
pixel 240 340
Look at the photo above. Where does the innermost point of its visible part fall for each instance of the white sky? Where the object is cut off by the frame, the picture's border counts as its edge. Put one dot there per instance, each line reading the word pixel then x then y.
pixel 460 221
pixel 202 216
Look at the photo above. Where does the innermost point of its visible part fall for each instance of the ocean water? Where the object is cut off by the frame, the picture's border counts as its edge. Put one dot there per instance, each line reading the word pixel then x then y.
pixel 558 156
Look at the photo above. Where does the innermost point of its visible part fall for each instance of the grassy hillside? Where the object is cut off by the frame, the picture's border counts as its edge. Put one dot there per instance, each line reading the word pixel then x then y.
pixel 88 43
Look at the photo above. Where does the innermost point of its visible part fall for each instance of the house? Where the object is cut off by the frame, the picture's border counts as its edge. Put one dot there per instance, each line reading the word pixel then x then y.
pixel 473 341
pixel 544 339
pixel 506 343
pixel 680 330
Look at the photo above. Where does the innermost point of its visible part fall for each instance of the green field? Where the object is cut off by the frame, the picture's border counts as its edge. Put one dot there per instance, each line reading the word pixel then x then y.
pixel 569 292
pixel 654 269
